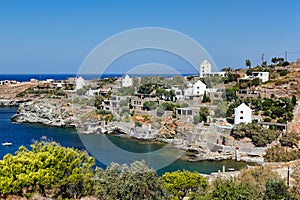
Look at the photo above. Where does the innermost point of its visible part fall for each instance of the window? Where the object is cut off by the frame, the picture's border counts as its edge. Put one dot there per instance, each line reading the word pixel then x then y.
pixel 241 117
pixel 242 112
pixel 198 88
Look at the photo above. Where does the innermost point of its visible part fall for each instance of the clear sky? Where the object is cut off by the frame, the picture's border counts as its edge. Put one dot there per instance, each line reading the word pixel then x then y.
pixel 54 36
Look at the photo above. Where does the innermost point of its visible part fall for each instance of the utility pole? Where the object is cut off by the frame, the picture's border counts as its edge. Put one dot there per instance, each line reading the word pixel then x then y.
pixel 262 58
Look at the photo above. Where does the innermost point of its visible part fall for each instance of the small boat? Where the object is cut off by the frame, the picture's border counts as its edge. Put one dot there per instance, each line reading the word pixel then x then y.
pixel 6 144
pixel 230 169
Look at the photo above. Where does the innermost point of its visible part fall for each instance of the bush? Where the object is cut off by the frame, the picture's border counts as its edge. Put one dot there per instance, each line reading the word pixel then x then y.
pixel 267 119
pixel 279 154
pixel 283 72
pixel 47 167
pixel 150 105
pixel 179 184
pixel 128 182
pixel 281 121
pixel 260 136
pixel 138 124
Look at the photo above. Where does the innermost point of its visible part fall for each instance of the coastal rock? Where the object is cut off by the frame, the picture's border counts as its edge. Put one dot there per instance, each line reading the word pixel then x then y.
pixel 46 112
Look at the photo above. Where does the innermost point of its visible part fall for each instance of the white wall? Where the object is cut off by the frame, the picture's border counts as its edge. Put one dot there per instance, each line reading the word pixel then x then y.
pixel 79 83
pixel 127 81
pixel 199 88
pixel 242 114
pixel 205 68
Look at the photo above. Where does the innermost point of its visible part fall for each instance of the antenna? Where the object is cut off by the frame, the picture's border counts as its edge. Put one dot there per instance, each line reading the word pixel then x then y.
pixel 262 58
pixel 286 55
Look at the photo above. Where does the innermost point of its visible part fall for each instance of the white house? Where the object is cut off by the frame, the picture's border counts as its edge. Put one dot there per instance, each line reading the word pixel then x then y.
pixel 242 114
pixel 127 81
pixel 92 92
pixel 79 83
pixel 264 76
pixel 199 88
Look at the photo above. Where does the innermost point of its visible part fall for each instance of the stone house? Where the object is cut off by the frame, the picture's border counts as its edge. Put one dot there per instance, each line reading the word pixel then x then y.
pixel 187 113
pixel 113 103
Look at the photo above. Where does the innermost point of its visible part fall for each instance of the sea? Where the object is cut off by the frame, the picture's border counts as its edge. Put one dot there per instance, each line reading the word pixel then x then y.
pixel 43 77
pixel 105 148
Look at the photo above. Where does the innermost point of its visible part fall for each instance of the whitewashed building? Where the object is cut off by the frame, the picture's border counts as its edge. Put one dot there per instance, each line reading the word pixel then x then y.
pixel 264 76
pixel 242 114
pixel 127 81
pixel 79 83
pixel 92 92
pixel 199 88
pixel 205 68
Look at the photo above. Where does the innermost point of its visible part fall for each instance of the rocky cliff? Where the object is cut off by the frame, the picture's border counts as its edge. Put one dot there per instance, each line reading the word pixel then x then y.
pixel 47 112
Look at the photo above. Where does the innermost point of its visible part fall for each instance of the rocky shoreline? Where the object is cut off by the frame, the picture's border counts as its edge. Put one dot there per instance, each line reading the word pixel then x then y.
pixel 12 103
pixel 61 114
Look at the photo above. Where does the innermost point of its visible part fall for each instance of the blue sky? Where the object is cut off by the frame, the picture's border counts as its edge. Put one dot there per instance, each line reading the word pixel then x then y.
pixel 54 36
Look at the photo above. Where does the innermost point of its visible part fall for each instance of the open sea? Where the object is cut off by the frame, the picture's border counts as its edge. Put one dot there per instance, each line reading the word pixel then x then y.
pixel 42 77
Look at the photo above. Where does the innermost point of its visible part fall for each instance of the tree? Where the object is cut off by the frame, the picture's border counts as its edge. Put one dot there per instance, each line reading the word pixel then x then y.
pixel 260 136
pixel 125 91
pixel 231 190
pixel 136 181
pixel 255 82
pixel 205 98
pixel 182 183
pixel 203 114
pixel 150 105
pixel 294 100
pixel 248 63
pixel 229 94
pixel 276 189
pixel 46 167
pixel 220 110
pixel 98 100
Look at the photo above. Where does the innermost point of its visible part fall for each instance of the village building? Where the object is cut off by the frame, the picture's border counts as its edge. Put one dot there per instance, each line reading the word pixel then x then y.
pixel 263 76
pixel 127 81
pixel 187 113
pixel 214 93
pixel 206 71
pixel 199 88
pixel 8 82
pixel 179 94
pixel 113 103
pixel 242 114
pixel 92 92
pixel 79 83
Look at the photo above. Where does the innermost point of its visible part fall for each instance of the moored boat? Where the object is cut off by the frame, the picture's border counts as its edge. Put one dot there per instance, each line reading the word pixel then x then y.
pixel 6 144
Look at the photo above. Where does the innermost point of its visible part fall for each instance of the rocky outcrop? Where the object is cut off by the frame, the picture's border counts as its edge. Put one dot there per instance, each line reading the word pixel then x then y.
pixel 5 102
pixel 47 112
pixel 11 103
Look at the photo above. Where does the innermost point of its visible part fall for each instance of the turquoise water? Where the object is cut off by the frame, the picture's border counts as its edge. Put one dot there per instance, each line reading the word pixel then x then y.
pixel 106 149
